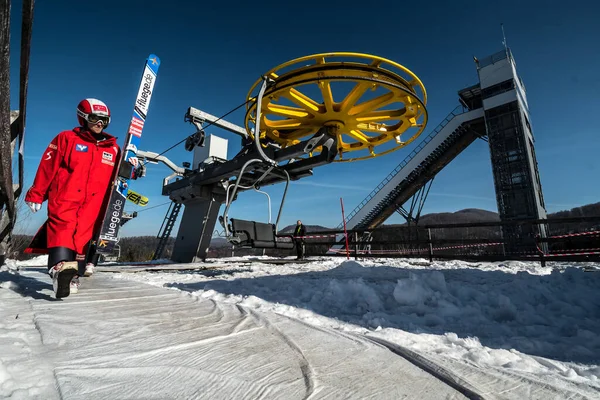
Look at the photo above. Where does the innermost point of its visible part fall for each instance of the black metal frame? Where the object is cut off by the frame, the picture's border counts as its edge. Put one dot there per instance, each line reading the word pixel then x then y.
pixel 256 165
pixel 419 199
pixel 164 233
pixel 296 168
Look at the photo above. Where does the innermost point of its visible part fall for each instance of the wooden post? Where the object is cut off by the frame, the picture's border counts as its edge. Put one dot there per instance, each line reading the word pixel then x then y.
pixel 7 203
pixel 26 33
pixel 12 124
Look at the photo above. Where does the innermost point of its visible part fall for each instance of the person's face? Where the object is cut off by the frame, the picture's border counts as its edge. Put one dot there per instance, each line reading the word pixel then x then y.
pixel 299 222
pixel 95 128
pixel 96 123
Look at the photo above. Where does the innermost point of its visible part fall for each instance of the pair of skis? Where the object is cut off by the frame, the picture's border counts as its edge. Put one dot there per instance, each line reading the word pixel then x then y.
pixel 108 237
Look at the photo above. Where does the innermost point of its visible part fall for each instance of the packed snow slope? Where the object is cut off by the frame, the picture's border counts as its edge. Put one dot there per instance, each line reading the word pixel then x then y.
pixel 329 328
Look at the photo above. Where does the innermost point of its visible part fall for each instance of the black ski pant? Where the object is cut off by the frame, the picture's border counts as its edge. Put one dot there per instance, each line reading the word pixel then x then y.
pixel 300 249
pixel 59 254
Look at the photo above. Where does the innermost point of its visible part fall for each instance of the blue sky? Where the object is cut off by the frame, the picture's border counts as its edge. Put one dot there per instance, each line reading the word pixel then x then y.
pixel 212 54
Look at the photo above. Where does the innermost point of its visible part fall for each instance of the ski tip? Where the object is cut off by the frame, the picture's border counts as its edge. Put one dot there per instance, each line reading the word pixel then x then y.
pixel 154 61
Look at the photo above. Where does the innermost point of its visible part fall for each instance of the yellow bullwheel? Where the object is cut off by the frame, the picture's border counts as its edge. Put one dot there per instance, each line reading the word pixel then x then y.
pixel 373 105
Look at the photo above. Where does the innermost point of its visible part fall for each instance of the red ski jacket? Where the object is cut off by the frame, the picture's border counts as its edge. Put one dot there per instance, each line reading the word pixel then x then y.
pixel 74 175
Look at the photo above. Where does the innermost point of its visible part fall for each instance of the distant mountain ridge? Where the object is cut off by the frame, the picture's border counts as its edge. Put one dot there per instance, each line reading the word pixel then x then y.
pixel 309 228
pixel 462 216
pixel 470 215
pixel 479 215
pixel 467 215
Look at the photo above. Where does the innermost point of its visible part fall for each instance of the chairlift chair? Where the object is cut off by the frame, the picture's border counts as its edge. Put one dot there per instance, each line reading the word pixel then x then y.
pixel 254 234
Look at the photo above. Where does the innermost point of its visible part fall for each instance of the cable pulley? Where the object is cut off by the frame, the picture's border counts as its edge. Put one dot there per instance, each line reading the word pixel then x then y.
pixel 195 140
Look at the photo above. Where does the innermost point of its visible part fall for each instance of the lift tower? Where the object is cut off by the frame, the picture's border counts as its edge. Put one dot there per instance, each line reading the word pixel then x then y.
pixel 495 107
pixel 514 164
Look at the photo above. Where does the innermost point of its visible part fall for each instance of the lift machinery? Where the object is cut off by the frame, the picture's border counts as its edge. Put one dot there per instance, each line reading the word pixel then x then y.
pixel 305 113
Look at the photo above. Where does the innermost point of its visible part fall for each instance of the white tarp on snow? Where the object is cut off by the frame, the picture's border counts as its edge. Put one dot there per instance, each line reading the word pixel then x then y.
pixel 253 330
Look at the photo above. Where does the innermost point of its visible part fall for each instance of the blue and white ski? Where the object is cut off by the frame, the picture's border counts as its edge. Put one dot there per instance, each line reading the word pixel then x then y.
pixel 108 236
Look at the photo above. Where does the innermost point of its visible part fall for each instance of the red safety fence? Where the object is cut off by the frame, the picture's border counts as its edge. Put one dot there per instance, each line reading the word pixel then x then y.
pixel 468 245
pixel 540 253
pixel 583 253
pixel 447 241
pixel 569 252
pixel 408 251
pixel 315 236
pixel 592 233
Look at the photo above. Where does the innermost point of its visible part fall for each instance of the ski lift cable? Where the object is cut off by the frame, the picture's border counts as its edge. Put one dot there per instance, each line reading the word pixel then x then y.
pixel 150 208
pixel 207 125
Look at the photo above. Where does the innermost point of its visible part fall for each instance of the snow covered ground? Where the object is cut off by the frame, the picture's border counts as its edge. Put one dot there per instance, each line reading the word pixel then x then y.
pixel 504 330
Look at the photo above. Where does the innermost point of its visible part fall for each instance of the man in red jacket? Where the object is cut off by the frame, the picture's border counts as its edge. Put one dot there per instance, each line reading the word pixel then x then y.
pixel 74 175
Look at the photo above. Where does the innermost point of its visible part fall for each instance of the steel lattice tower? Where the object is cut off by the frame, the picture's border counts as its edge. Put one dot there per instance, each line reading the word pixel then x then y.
pixel 514 165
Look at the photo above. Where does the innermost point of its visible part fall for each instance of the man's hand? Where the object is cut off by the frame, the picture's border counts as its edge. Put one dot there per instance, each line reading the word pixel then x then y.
pixel 133 161
pixel 35 207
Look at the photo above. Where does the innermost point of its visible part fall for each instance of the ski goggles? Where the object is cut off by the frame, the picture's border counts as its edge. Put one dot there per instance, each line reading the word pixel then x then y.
pixel 94 119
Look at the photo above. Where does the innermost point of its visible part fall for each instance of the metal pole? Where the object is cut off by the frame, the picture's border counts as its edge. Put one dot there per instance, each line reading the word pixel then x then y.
pixel 261 93
pixel 540 251
pixel 356 246
pixel 287 183
pixel 430 245
pixel 235 188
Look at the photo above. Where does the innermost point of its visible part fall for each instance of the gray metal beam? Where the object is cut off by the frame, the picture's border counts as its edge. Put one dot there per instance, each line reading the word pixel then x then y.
pixel 200 116
pixel 155 157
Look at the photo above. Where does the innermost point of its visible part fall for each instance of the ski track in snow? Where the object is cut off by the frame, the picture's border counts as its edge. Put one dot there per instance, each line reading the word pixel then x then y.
pixel 503 330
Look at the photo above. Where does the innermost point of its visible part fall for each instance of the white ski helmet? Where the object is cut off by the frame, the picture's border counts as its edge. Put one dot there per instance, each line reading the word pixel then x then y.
pixel 93 110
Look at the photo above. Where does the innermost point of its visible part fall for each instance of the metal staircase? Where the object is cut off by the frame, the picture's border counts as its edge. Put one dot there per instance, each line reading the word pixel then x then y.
pixel 166 228
pixel 456 132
